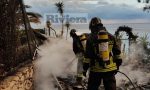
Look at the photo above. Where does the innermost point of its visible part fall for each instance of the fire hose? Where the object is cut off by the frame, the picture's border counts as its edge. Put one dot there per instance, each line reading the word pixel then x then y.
pixel 128 79
pixel 57 81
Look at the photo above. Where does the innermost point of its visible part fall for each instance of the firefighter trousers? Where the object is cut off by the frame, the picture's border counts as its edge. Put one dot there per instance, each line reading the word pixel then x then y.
pixel 80 64
pixel 95 79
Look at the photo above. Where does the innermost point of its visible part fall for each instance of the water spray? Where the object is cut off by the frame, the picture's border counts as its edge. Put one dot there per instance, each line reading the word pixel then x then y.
pixel 69 64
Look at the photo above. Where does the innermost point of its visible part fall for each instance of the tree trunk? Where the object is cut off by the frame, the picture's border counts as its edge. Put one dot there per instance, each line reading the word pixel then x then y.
pixel 67 33
pixel 25 21
pixel 62 32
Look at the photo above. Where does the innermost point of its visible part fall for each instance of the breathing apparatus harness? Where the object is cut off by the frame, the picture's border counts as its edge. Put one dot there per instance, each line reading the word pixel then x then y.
pixel 83 39
pixel 101 47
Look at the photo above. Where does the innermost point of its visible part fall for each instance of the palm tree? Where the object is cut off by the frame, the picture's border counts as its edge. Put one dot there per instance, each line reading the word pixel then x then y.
pixel 48 24
pixel 60 9
pixel 68 27
pixel 54 31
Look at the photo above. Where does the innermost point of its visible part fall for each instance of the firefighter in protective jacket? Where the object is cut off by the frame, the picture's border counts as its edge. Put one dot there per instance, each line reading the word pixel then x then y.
pixel 79 43
pixel 102 57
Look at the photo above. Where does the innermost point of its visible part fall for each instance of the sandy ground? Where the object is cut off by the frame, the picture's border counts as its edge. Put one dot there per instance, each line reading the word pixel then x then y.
pixel 22 80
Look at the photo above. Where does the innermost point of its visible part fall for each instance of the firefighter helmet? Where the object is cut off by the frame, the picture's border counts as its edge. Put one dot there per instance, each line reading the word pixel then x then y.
pixel 95 24
pixel 72 32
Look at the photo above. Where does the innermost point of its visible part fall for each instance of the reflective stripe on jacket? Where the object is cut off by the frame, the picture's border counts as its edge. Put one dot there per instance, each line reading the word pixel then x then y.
pixel 92 59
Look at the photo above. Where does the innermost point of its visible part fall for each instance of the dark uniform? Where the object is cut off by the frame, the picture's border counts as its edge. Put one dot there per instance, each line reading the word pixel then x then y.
pixel 98 71
pixel 77 46
pixel 78 49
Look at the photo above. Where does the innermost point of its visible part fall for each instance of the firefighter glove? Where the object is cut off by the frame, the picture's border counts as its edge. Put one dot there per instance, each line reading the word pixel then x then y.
pixel 119 62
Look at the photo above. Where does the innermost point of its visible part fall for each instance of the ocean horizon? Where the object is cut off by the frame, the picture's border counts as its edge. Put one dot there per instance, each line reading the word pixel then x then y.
pixel 136 27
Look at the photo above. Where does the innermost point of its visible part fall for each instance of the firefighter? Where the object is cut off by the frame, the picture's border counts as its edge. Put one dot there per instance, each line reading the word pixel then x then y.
pixel 79 43
pixel 102 57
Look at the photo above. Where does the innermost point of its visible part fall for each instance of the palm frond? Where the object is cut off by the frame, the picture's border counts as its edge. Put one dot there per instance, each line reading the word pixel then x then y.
pixel 34 20
pixel 27 6
pixel 33 14
pixel 60 7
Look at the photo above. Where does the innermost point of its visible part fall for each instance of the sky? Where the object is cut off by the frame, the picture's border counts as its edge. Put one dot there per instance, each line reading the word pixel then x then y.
pixel 110 11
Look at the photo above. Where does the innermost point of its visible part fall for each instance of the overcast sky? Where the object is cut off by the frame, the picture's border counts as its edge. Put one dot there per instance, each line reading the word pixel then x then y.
pixel 110 11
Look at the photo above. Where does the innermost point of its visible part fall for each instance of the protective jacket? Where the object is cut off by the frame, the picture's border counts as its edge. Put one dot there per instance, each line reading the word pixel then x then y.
pixel 93 61
pixel 77 45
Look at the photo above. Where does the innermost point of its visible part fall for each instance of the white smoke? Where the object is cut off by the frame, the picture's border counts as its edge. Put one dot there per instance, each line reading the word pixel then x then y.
pixel 55 59
pixel 132 66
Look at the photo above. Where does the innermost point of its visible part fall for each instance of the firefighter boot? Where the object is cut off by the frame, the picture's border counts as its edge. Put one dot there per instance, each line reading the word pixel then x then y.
pixel 78 84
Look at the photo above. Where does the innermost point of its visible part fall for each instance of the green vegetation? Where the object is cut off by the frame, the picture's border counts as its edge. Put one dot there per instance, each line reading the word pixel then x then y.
pixel 144 41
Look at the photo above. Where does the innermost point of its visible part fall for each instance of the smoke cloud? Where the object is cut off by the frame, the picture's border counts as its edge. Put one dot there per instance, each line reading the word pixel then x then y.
pixel 133 67
pixel 56 58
